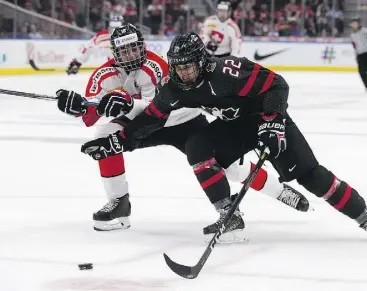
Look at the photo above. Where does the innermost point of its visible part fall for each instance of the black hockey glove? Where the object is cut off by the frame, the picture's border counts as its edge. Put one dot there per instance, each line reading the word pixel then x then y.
pixel 73 67
pixel 115 103
pixel 111 145
pixel 212 46
pixel 272 134
pixel 70 102
pixel 104 147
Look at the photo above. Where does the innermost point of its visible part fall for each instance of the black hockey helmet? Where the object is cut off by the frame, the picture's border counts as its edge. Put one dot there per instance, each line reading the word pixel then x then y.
pixel 356 19
pixel 187 55
pixel 355 23
pixel 128 47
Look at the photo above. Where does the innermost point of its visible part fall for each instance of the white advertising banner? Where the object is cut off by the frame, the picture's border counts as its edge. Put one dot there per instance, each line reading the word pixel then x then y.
pixel 26 56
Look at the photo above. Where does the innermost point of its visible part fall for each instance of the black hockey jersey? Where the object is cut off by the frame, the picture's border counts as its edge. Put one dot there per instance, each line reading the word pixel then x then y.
pixel 230 88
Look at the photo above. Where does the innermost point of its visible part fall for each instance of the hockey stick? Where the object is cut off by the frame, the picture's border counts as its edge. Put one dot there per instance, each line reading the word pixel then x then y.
pixel 38 96
pixel 191 272
pixel 36 68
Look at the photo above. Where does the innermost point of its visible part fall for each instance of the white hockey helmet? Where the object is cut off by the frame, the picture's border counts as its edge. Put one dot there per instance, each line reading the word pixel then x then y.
pixel 115 21
pixel 224 10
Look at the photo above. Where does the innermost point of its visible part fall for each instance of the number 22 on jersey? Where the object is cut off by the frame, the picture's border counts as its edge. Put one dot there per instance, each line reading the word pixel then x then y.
pixel 232 67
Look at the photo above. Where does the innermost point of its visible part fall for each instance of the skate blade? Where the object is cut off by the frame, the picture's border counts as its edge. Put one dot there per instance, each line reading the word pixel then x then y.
pixel 118 223
pixel 310 208
pixel 236 236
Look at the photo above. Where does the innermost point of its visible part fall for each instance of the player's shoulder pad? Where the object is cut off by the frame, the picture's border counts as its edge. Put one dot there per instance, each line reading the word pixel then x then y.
pixel 103 35
pixel 233 25
pixel 154 67
pixel 98 76
pixel 163 82
pixel 214 68
pixel 212 18
pixel 212 65
pixel 102 32
pixel 211 22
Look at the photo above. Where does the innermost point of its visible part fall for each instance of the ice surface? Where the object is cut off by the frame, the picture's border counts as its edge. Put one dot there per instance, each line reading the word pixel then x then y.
pixel 49 190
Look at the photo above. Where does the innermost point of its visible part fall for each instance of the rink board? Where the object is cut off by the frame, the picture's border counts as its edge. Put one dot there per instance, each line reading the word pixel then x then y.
pixel 53 56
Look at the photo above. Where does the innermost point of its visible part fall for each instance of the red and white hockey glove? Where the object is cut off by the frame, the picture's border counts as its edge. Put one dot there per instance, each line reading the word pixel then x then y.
pixel 272 134
pixel 73 67
pixel 115 103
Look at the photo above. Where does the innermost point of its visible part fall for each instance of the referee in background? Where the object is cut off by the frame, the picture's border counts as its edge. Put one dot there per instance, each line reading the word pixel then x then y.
pixel 359 41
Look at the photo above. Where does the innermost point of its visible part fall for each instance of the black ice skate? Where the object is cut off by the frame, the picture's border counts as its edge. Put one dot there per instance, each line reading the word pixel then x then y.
pixel 364 226
pixel 114 215
pixel 294 199
pixel 234 230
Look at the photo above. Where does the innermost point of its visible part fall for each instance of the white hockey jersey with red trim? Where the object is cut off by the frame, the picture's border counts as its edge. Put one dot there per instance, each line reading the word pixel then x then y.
pixel 99 44
pixel 226 35
pixel 140 85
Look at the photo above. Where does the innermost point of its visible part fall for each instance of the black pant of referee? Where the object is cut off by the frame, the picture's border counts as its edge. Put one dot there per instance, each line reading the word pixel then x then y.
pixel 362 67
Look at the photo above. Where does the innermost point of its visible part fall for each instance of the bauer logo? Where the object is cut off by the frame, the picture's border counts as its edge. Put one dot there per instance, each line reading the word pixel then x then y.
pixel 124 40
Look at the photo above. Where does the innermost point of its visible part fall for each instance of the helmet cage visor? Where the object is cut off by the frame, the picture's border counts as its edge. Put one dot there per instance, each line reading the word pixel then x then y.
pixel 129 52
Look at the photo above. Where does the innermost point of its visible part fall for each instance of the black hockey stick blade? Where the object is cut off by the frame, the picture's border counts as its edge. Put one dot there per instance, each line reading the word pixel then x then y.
pixel 191 272
pixel 34 66
pixel 181 270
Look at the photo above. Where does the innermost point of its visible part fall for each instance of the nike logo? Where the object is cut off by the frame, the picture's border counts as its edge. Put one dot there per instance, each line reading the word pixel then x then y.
pixel 291 169
pixel 174 103
pixel 258 57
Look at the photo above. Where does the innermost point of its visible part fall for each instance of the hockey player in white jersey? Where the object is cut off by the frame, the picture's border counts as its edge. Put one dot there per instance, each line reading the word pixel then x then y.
pixel 100 43
pixel 123 87
pixel 220 34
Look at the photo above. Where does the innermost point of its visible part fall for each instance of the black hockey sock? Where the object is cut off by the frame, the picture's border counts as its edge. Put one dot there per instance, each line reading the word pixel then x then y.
pixel 212 179
pixel 345 199
pixel 337 193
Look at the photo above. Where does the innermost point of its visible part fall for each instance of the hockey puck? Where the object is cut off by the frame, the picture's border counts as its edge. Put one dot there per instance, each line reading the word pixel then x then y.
pixel 87 266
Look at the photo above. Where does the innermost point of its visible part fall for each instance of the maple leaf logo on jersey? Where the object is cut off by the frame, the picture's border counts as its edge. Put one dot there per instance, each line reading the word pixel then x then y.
pixel 224 114
pixel 216 36
pixel 211 67
pixel 164 80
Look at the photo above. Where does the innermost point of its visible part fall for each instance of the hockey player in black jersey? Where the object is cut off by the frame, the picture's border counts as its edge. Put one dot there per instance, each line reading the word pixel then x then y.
pixel 250 102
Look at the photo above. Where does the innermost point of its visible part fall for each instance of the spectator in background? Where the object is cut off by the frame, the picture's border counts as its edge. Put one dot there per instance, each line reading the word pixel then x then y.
pixel 181 25
pixel 336 20
pixel 292 11
pixel 252 16
pixel 169 28
pixel 131 13
pixel 264 14
pixel 34 34
pixel 321 18
pixel 282 27
pixel 310 27
pixel 23 31
pixel 154 11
